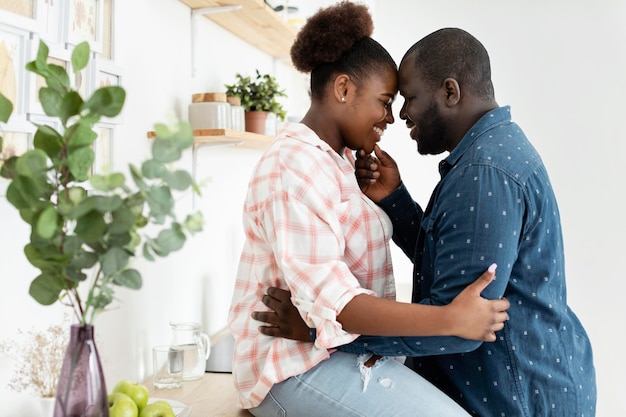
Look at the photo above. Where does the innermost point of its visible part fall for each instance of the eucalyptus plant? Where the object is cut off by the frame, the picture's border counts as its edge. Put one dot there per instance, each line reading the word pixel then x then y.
pixel 259 94
pixel 86 228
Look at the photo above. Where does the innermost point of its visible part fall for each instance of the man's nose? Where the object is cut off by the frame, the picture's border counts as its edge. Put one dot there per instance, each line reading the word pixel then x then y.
pixel 403 112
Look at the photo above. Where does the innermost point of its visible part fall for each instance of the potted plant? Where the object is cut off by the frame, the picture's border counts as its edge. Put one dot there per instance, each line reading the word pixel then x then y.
pixel 258 98
pixel 86 228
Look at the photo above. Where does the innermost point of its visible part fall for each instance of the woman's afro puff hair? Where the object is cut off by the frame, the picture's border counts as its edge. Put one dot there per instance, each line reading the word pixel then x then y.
pixel 329 33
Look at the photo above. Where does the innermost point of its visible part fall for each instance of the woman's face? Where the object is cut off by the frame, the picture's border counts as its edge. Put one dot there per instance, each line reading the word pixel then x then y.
pixel 370 111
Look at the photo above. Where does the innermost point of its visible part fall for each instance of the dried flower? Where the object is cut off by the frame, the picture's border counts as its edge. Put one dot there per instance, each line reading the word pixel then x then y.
pixel 38 356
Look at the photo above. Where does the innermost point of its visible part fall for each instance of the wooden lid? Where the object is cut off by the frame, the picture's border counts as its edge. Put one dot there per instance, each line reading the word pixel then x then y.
pixel 204 97
pixel 233 101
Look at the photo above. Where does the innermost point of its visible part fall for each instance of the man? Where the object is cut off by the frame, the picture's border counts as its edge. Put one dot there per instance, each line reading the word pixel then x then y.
pixel 494 203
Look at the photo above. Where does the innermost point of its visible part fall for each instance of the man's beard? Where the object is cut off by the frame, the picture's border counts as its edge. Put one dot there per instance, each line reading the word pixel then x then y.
pixel 432 132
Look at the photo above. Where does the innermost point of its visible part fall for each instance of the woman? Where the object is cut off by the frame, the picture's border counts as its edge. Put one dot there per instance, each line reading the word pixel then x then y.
pixel 309 229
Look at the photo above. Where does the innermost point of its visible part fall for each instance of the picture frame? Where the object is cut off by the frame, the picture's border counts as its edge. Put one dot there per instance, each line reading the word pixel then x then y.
pixel 108 51
pixel 84 23
pixel 52 19
pixel 14 143
pixel 14 47
pixel 103 148
pixel 20 13
pixel 23 8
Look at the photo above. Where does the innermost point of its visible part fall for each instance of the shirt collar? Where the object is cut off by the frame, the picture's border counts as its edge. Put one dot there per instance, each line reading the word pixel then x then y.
pixel 486 122
pixel 302 133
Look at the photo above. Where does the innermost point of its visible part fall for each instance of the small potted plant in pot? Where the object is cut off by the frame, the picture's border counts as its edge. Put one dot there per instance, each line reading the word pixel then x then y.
pixel 258 98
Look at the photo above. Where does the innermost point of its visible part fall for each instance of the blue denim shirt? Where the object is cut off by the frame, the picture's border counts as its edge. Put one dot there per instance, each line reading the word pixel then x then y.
pixel 494 203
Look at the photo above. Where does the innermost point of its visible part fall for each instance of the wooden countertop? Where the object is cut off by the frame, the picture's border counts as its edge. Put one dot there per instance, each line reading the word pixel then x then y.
pixel 211 396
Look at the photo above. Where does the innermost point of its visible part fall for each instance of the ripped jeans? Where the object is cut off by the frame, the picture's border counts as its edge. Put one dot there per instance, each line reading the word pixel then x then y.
pixel 344 386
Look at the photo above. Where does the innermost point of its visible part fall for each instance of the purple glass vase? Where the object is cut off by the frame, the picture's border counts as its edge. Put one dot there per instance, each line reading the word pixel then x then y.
pixel 81 391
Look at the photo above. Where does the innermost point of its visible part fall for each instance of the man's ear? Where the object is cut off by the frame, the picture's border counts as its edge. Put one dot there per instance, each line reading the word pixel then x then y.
pixel 341 88
pixel 452 91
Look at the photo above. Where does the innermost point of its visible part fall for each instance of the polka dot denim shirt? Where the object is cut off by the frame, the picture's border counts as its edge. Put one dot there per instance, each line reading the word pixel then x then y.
pixel 494 203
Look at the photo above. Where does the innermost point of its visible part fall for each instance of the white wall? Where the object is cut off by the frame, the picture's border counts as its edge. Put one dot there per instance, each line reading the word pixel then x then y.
pixel 558 63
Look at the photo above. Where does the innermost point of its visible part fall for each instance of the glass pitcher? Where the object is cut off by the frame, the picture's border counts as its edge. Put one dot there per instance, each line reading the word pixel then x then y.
pixel 196 346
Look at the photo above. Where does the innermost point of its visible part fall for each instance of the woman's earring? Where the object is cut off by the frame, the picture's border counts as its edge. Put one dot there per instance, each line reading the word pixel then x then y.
pixel 343 99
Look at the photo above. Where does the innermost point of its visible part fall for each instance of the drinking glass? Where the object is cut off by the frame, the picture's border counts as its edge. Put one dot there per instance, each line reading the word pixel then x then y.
pixel 168 366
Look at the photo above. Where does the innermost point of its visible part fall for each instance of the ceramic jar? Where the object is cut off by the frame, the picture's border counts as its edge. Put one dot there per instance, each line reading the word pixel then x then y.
pixel 237 114
pixel 210 111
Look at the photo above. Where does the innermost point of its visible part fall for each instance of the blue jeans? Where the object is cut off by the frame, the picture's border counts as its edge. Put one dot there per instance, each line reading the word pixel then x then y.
pixel 343 387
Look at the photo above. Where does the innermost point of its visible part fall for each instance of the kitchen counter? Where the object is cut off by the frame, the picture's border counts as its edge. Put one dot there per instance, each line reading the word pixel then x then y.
pixel 211 396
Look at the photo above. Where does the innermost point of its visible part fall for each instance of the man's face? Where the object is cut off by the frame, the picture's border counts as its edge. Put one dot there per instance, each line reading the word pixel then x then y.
pixel 421 110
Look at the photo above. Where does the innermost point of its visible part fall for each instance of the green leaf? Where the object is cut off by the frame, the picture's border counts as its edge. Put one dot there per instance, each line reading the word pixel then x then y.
pixel 114 261
pixel 171 240
pixel 40 64
pixel 45 258
pixel 32 164
pixel 91 226
pixel 58 80
pixel 153 169
pixel 129 278
pixel 147 253
pixel 135 202
pixel 45 289
pixel 80 135
pixel 121 240
pixel 70 106
pixel 47 223
pixel 161 203
pixel 107 182
pixel 162 131
pixel 84 206
pixel 122 220
pixel 80 56
pixel 165 150
pixel 106 101
pixel 77 194
pixel 178 180
pixel 48 140
pixel 73 244
pixel 23 192
pixel 7 169
pixel 75 275
pixel 80 162
pixel 101 203
pixel 84 260
pixel 50 101
pixel 194 222
pixel 169 144
pixel 107 203
pixel 6 108
pixel 138 178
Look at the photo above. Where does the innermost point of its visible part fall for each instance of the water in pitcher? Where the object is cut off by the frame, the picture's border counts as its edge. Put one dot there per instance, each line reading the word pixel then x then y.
pixel 194 363
pixel 196 346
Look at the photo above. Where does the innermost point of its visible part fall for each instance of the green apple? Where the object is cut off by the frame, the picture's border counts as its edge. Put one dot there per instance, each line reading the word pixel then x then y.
pixel 158 409
pixel 121 405
pixel 138 392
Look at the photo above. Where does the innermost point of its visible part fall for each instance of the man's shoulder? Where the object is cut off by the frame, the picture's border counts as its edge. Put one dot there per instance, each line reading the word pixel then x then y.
pixel 505 146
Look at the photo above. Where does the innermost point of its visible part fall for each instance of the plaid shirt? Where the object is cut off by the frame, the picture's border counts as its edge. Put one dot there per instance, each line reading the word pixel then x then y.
pixel 308 229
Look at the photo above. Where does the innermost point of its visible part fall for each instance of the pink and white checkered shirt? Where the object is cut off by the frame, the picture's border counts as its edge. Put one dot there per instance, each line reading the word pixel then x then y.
pixel 309 229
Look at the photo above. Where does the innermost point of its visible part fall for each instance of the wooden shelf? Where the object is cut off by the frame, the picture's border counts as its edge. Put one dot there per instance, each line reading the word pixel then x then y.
pixel 217 137
pixel 255 23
